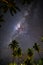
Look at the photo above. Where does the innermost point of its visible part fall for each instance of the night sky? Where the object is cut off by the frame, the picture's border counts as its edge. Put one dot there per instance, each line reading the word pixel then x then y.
pixel 25 26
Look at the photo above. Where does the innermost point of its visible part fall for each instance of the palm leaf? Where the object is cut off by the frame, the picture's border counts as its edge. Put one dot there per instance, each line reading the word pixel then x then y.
pixel 17 8
pixel 36 47
pixel 4 9
pixel 11 12
pixel 1 18
pixel 14 44
pixel 14 10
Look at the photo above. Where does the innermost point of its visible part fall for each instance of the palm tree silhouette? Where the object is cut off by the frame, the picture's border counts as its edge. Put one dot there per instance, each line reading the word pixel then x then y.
pixel 9 5
pixel 16 50
pixel 19 54
pixel 37 48
pixel 30 53
pixel 14 46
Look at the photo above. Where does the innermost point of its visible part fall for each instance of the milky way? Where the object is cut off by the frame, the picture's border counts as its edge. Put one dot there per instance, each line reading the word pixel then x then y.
pixel 21 27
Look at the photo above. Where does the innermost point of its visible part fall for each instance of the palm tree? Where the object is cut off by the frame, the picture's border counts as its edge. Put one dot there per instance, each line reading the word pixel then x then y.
pixel 37 48
pixel 30 53
pixel 16 50
pixel 27 62
pixel 9 5
pixel 19 54
pixel 14 46
pixel 29 59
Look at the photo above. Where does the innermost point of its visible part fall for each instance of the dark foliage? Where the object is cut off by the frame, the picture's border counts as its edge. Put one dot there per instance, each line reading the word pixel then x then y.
pixel 11 5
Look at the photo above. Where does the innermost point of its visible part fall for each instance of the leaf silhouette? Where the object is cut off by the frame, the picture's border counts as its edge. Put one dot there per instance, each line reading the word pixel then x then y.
pixel 9 5
pixel 11 12
pixel 1 18
pixel 14 45
pixel 36 47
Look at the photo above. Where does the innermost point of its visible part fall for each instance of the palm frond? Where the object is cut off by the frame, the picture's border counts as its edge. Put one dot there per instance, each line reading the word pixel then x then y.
pixel 14 44
pixel 1 18
pixel 36 47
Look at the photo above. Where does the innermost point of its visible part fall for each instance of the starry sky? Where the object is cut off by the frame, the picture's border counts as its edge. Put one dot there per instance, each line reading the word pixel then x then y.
pixel 25 26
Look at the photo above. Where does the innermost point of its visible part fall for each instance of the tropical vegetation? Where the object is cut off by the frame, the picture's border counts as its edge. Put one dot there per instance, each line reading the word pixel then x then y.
pixel 29 60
